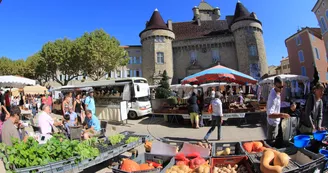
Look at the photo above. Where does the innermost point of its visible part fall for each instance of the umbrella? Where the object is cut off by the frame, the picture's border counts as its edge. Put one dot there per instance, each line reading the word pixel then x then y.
pixel 15 81
pixel 37 89
pixel 219 74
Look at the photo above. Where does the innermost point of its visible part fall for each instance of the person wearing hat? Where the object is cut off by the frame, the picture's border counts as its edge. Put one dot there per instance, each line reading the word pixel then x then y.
pixel 90 103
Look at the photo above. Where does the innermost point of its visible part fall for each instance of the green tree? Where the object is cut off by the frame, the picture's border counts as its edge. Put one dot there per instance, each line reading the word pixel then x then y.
pixel 58 56
pixel 101 53
pixel 163 91
pixel 6 66
pixel 36 68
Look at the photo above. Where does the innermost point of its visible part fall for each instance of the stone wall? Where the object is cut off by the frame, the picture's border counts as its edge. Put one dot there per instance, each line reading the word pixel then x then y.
pixel 247 33
pixel 150 67
pixel 203 47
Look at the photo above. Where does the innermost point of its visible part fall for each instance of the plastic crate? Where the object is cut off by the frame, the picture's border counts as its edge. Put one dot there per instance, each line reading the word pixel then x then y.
pixel 65 166
pixel 317 163
pixel 43 169
pixel 235 148
pixel 254 159
pixel 232 160
pixel 166 161
pixel 133 144
pixel 263 142
pixel 89 162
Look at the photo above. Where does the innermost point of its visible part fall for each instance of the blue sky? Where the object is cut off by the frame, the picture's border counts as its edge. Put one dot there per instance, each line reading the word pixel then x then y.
pixel 25 25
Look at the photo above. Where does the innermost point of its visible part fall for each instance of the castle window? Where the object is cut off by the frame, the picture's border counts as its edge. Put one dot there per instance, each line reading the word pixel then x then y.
pixel 138 60
pixel 215 56
pixel 316 50
pixel 303 71
pixel 137 73
pixel 193 56
pixel 118 73
pixel 252 50
pixel 130 60
pixel 160 57
pixel 323 25
pixel 301 56
pixel 298 40
pixel 128 73
pixel 159 39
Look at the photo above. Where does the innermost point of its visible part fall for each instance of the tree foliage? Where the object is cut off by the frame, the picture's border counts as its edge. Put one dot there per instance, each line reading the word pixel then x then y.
pixel 101 53
pixel 94 54
pixel 163 91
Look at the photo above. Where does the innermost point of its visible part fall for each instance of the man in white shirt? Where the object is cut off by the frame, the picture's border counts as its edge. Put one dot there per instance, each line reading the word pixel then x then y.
pixel 273 109
pixel 45 121
pixel 217 114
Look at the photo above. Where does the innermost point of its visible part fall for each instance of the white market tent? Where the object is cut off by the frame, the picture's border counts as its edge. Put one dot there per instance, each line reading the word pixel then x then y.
pixel 15 81
pixel 37 89
pixel 284 77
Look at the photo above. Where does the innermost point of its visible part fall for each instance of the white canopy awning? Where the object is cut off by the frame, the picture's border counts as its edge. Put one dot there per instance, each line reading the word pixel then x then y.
pixel 285 77
pixel 15 81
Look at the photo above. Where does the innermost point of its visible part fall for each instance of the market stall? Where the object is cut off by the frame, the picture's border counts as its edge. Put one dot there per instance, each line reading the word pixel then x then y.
pixel 37 89
pixel 295 90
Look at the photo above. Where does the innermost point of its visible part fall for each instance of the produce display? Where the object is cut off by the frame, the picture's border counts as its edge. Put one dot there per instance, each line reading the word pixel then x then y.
pixel 279 160
pixel 190 163
pixel 148 146
pixel 230 169
pixel 115 139
pixel 253 147
pixel 132 166
pixel 30 153
pixel 225 152
pixel 131 139
pixel 205 145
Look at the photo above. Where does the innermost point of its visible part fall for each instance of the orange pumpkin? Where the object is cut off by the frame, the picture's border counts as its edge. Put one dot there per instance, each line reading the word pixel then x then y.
pixel 145 166
pixel 130 166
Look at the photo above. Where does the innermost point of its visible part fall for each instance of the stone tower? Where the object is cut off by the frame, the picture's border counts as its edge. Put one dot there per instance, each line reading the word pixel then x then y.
pixel 248 34
pixel 205 12
pixel 156 40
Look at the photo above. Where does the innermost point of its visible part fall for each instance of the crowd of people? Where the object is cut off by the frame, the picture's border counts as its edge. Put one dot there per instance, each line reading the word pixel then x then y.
pixel 78 111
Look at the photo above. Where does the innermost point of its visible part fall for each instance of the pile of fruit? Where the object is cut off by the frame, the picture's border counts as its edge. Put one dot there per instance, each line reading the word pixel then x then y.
pixel 225 152
pixel 148 146
pixel 132 166
pixel 279 160
pixel 253 147
pixel 191 163
pixel 230 169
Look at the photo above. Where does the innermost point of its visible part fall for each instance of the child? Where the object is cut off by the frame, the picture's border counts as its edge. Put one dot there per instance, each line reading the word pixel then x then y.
pixel 68 123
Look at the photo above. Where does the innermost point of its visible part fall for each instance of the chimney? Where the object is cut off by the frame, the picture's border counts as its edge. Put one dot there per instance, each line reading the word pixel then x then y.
pixel 169 24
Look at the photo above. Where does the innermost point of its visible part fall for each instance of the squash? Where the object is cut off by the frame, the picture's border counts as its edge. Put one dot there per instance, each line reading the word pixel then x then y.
pixel 266 159
pixel 248 146
pixel 145 166
pixel 281 159
pixel 257 146
pixel 130 166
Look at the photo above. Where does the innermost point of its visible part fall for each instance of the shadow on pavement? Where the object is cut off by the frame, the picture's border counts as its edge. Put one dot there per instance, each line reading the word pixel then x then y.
pixel 181 139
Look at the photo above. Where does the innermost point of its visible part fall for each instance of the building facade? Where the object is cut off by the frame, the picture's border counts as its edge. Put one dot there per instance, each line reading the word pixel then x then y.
pixel 272 70
pixel 320 10
pixel 306 49
pixel 185 48
pixel 284 64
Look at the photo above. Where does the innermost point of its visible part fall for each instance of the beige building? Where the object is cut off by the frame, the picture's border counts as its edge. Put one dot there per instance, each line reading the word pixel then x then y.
pixel 320 9
pixel 284 64
pixel 272 70
pixel 185 48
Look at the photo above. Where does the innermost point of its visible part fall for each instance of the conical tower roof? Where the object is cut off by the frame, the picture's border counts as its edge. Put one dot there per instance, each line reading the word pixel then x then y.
pixel 156 22
pixel 205 6
pixel 241 13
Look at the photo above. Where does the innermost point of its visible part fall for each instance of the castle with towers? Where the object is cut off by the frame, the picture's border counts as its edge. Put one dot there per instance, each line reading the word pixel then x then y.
pixel 185 48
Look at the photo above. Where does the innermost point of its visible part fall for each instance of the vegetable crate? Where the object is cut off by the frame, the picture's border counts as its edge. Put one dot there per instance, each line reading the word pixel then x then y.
pixel 132 145
pixel 65 166
pixel 306 160
pixel 262 141
pixel 241 161
pixel 254 159
pixel 43 169
pixel 89 162
pixel 235 148
pixel 166 161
